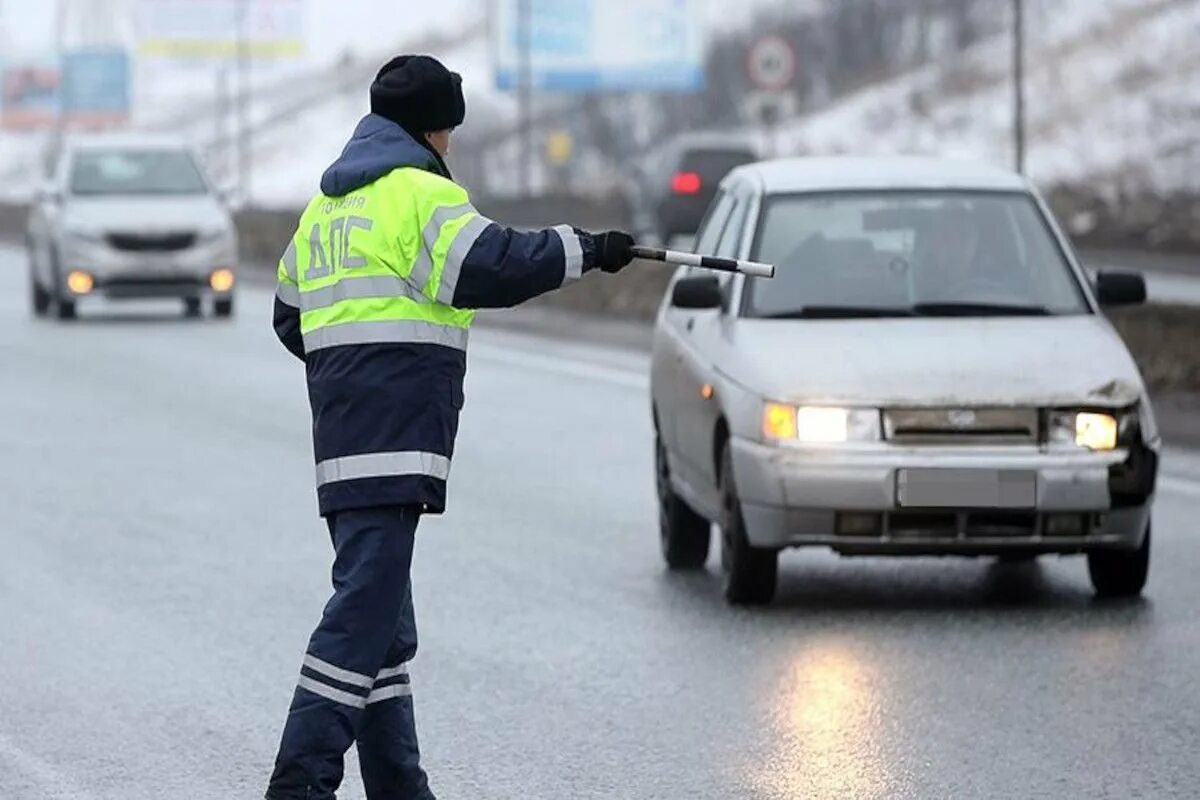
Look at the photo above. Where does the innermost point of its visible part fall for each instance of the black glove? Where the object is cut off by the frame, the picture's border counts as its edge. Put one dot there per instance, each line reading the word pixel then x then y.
pixel 614 250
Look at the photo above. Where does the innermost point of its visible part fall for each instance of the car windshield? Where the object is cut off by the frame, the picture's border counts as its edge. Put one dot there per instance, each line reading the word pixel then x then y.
pixel 99 172
pixel 920 253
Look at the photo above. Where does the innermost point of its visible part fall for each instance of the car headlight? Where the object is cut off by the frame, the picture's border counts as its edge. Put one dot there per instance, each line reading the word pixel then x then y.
pixel 1092 430
pixel 819 424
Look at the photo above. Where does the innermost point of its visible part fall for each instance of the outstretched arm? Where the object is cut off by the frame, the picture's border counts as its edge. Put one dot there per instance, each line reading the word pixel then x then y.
pixel 475 262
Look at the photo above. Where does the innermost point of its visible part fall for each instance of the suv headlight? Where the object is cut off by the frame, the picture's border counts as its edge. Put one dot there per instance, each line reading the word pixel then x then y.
pixel 819 424
pixel 1099 431
pixel 213 235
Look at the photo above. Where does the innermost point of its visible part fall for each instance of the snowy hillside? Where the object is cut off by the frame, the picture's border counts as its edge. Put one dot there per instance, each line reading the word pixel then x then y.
pixel 1112 99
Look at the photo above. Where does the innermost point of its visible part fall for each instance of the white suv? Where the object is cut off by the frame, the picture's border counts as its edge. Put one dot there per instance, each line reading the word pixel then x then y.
pixel 130 217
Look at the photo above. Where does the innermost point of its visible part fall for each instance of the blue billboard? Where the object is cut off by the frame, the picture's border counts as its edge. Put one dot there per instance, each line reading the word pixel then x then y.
pixel 600 45
pixel 95 86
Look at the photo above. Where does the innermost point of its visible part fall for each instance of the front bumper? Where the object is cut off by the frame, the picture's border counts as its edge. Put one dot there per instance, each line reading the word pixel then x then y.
pixel 125 274
pixel 847 499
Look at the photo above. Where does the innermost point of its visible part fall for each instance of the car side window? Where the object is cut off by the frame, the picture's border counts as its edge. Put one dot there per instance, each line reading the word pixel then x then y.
pixel 731 238
pixel 714 224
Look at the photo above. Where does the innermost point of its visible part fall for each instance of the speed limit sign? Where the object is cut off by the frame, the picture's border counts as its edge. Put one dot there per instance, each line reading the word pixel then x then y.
pixel 771 63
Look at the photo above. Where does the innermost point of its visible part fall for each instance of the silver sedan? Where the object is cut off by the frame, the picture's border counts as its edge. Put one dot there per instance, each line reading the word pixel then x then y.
pixel 929 373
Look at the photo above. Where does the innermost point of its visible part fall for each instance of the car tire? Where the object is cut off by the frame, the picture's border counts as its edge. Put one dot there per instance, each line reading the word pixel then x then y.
pixel 683 534
pixel 223 307
pixel 191 307
pixel 750 573
pixel 1120 573
pixel 65 309
pixel 39 298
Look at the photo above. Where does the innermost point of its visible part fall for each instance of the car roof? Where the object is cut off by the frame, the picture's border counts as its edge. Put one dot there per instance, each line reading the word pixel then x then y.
pixel 124 140
pixel 847 173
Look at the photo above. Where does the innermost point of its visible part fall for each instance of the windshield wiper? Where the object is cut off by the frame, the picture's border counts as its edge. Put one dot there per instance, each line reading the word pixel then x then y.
pixel 979 310
pixel 840 312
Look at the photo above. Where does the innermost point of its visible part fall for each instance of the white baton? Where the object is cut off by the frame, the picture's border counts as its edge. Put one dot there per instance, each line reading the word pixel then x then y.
pixel 755 268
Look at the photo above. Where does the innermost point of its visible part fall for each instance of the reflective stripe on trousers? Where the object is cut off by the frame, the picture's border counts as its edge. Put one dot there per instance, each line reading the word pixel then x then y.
pixel 350 688
pixel 382 465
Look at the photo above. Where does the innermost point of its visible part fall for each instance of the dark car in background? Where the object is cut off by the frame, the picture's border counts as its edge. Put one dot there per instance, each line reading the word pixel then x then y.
pixel 677 182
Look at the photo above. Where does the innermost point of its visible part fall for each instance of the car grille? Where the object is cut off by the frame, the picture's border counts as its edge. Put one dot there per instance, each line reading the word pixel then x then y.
pixel 151 243
pixel 961 425
pixel 982 523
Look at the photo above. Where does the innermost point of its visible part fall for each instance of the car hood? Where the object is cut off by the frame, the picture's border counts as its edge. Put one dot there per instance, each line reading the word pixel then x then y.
pixel 157 214
pixel 1050 361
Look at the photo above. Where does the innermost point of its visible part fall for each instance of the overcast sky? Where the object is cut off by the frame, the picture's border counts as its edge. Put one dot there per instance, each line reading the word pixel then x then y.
pixel 26 26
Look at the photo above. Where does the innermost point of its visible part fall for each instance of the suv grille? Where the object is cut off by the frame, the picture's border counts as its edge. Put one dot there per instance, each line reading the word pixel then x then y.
pixel 152 243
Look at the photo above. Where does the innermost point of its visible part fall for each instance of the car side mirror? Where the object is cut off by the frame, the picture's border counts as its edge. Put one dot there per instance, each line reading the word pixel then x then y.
pixel 697 292
pixel 1120 288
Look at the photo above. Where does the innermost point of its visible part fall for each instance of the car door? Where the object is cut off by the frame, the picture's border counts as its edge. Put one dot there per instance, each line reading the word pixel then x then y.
pixel 672 326
pixel 701 341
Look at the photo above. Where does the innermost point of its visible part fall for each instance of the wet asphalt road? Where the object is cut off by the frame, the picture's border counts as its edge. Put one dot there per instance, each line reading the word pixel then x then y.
pixel 161 566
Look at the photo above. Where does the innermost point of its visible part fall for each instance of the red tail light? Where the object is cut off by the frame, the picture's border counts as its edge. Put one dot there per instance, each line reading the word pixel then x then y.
pixel 686 183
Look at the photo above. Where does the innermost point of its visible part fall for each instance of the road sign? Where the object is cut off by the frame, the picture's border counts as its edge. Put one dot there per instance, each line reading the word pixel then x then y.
pixel 601 45
pixel 95 86
pixel 30 94
pixel 220 29
pixel 771 63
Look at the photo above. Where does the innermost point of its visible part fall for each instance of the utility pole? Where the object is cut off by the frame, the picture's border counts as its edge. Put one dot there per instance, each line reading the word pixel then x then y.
pixel 244 140
pixel 1019 84
pixel 60 49
pixel 525 99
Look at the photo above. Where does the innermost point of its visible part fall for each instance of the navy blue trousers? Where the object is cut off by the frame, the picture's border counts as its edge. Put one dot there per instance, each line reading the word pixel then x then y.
pixel 354 683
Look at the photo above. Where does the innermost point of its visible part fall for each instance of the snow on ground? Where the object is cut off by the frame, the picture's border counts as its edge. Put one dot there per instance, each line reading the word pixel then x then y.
pixel 1109 86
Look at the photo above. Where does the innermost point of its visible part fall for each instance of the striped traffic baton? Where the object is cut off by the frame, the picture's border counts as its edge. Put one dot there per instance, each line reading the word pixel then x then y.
pixel 755 268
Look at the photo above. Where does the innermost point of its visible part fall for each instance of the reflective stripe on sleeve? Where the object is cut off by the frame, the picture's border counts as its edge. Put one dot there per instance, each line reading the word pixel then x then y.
pixel 422 269
pixel 464 240
pixel 358 288
pixel 330 693
pixel 382 465
pixel 386 332
pixel 337 673
pixel 389 692
pixel 289 261
pixel 573 251
pixel 288 294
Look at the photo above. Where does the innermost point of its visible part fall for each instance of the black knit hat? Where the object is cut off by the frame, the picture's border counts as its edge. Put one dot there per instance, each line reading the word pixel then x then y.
pixel 419 94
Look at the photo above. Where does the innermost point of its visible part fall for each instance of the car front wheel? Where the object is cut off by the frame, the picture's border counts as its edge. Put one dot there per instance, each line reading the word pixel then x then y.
pixel 750 572
pixel 683 533
pixel 1120 573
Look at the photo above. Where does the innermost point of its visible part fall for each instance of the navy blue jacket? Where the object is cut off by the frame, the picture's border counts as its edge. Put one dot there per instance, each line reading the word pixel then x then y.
pixel 371 399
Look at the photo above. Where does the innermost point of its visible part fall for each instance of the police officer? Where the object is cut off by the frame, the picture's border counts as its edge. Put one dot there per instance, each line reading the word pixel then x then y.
pixel 376 293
